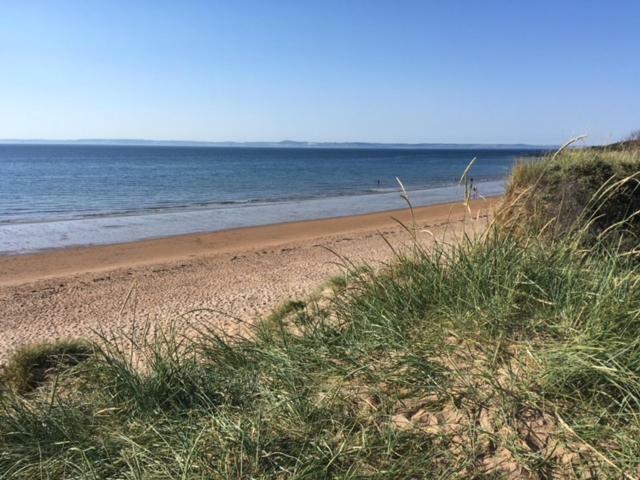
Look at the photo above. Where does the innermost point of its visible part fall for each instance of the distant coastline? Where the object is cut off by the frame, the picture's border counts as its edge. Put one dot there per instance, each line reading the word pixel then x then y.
pixel 277 144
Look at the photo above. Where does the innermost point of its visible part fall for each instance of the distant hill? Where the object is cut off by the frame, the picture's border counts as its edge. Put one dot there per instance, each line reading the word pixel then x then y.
pixel 280 144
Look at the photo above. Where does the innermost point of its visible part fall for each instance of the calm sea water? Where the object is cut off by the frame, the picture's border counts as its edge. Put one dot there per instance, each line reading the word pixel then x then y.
pixel 63 195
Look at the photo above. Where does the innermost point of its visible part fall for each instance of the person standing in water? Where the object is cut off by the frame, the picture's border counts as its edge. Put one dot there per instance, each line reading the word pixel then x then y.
pixel 473 189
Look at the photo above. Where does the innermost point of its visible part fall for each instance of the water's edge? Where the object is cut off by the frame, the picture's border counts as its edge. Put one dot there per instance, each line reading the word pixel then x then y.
pixel 21 238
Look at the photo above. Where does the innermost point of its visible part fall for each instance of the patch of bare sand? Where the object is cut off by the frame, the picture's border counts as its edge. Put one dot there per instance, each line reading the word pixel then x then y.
pixel 483 422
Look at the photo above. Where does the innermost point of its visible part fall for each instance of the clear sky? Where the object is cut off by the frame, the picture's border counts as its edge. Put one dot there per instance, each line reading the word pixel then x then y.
pixel 388 71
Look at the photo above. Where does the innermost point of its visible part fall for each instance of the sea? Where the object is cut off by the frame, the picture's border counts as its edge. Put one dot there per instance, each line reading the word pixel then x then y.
pixel 56 196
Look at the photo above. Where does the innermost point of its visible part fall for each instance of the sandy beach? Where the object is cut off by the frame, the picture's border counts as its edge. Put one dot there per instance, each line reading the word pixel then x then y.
pixel 231 276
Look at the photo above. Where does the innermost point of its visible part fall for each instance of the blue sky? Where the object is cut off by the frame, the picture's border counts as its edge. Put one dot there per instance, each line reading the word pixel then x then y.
pixel 392 71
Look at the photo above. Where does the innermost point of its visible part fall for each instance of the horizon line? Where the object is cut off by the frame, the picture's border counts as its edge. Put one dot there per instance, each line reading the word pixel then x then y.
pixel 274 143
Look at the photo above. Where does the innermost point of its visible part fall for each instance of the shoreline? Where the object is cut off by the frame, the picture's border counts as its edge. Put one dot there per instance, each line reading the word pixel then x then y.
pixel 18 268
pixel 27 238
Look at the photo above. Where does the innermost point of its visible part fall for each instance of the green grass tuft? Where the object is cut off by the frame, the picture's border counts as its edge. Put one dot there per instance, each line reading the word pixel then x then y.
pixel 31 365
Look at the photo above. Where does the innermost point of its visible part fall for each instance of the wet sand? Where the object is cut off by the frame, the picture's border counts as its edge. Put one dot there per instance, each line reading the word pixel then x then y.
pixel 230 277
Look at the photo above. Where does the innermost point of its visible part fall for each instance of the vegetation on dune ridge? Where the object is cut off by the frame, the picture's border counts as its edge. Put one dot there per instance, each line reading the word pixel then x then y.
pixel 632 142
pixel 585 189
pixel 504 356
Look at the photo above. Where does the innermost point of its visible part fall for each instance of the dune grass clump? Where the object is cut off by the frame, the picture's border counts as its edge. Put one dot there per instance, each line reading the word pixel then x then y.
pixel 501 356
pixel 588 189
pixel 31 365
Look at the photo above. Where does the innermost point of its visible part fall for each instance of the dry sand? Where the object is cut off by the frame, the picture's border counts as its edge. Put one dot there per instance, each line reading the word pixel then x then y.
pixel 235 275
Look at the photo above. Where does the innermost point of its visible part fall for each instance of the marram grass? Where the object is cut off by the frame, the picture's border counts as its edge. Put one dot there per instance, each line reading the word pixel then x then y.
pixel 505 356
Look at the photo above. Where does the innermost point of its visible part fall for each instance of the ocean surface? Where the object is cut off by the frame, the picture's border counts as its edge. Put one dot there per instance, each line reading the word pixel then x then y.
pixel 54 196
